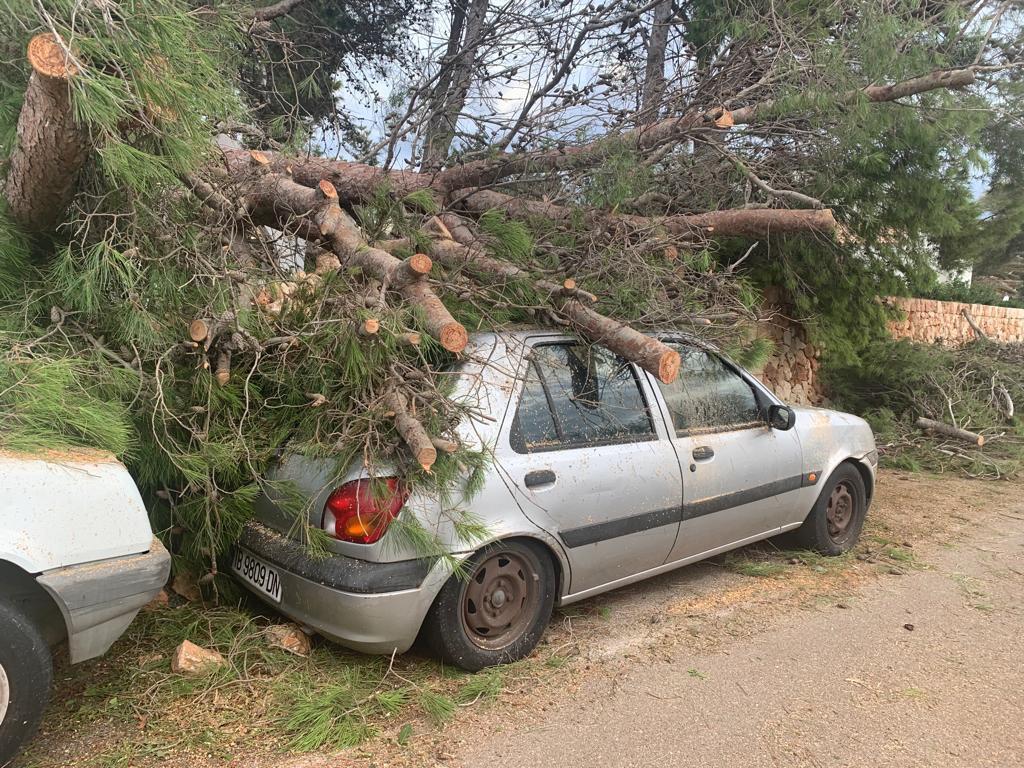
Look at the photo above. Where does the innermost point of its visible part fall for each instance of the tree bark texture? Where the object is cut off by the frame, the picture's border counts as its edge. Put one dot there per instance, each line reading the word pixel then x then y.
pixel 411 431
pixel 654 72
pixel 449 94
pixel 51 148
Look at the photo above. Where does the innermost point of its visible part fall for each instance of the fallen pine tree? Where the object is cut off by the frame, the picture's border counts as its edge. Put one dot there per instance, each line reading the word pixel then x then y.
pixel 938 408
pixel 192 292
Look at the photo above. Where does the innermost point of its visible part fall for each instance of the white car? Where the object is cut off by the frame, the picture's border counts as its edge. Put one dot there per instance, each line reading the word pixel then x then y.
pixel 77 561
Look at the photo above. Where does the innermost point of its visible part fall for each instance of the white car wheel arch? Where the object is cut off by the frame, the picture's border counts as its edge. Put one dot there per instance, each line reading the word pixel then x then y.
pixel 5 693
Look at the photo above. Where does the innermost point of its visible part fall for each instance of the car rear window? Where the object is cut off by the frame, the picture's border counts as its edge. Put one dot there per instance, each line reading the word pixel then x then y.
pixel 577 395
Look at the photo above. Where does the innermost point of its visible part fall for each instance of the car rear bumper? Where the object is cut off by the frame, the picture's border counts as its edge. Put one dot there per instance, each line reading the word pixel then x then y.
pixel 100 599
pixel 369 607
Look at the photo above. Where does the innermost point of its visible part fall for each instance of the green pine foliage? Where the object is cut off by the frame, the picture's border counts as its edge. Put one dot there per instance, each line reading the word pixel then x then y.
pixel 897 176
pixel 63 403
pixel 894 383
pixel 91 337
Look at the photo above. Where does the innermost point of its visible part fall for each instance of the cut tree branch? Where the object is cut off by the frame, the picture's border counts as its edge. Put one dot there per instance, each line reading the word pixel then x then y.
pixel 950 431
pixel 756 222
pixel 672 129
pixel 411 431
pixel 647 352
pixel 51 147
pixel 278 201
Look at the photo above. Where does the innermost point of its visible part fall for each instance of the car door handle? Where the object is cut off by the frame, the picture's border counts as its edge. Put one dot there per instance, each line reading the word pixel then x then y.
pixel 702 453
pixel 539 477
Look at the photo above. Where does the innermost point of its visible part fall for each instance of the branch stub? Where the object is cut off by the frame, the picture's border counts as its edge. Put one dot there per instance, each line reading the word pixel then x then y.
pixel 49 58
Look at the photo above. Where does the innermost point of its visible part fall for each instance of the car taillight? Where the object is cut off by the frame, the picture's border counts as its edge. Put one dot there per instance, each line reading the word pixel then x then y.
pixel 353 514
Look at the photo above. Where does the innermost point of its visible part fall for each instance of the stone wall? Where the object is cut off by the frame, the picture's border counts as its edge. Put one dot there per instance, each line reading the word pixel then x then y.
pixel 792 370
pixel 931 321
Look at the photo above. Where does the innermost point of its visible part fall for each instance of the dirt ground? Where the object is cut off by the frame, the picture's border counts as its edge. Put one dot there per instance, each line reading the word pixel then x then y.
pixel 907 653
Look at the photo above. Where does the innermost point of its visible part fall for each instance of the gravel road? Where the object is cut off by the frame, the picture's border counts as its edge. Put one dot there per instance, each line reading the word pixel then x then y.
pixel 920 669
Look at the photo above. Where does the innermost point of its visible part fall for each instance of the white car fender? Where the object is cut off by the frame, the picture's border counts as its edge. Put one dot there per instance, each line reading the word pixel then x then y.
pixel 65 508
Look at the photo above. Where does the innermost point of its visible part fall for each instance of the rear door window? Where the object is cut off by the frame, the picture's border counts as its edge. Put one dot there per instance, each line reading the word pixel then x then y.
pixel 585 394
pixel 534 425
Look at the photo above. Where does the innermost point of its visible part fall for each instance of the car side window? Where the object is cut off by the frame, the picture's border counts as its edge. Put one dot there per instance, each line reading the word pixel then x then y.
pixel 534 426
pixel 708 394
pixel 587 394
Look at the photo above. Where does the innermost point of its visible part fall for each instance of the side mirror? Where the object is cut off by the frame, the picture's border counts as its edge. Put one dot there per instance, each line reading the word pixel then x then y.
pixel 781 417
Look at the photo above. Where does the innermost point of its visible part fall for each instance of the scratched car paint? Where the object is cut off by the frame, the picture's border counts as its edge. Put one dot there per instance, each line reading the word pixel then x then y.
pixel 601 476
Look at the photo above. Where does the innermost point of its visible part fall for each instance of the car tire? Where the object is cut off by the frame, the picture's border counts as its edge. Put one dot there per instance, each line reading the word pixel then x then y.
pixel 835 522
pixel 496 611
pixel 26 672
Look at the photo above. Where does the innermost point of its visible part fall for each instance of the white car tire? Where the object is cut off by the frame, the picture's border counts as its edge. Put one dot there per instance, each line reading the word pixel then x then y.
pixel 26 673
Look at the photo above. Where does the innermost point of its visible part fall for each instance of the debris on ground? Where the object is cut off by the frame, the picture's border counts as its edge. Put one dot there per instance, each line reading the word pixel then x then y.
pixel 192 659
pixel 289 637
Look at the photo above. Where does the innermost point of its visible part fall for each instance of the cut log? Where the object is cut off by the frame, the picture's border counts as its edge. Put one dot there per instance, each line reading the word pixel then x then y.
pixel 223 371
pixel 277 200
pixel 950 431
pixel 199 330
pixel 412 338
pixel 411 431
pixel 445 446
pixel 368 327
pixel 650 354
pixel 51 147
pixel 416 267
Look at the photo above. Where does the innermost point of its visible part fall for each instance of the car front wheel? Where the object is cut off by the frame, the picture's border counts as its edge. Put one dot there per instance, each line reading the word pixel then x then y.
pixel 836 520
pixel 497 610
pixel 26 670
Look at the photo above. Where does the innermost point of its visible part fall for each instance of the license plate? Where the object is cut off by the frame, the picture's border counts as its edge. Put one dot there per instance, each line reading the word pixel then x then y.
pixel 265 578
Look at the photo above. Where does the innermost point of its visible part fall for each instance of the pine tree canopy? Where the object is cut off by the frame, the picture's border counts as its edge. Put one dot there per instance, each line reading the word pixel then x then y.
pixel 227 227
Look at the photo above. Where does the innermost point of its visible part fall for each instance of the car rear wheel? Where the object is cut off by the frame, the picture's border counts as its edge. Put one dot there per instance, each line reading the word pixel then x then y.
pixel 497 611
pixel 26 670
pixel 836 520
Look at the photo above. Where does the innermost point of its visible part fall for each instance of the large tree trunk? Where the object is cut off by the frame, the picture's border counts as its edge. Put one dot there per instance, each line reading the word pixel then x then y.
pixel 654 73
pixel 449 95
pixel 51 148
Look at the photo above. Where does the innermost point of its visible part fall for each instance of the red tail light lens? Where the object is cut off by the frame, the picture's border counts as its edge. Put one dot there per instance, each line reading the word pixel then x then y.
pixel 353 514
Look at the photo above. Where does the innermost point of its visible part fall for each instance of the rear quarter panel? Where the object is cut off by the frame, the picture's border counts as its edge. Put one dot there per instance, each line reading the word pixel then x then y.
pixel 68 508
pixel 487 381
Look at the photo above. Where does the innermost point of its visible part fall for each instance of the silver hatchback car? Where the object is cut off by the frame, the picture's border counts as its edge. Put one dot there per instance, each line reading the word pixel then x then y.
pixel 601 476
